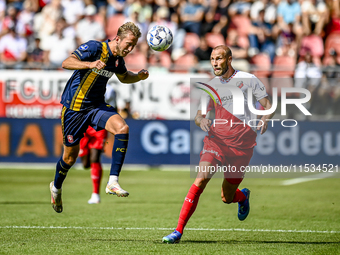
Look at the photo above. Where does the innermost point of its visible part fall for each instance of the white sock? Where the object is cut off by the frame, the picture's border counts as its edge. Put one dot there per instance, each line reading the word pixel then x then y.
pixel 113 179
pixel 54 189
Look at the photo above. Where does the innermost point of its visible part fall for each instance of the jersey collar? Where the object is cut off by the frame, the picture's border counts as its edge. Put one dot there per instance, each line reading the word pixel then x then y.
pixel 107 43
pixel 227 80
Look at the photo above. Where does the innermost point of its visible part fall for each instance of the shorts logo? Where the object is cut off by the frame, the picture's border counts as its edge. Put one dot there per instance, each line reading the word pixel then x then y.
pixel 83 47
pixel 117 62
pixel 70 138
pixel 121 149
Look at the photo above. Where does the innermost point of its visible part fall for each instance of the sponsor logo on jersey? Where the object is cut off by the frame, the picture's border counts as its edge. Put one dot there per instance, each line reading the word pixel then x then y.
pixel 102 72
pixel 83 47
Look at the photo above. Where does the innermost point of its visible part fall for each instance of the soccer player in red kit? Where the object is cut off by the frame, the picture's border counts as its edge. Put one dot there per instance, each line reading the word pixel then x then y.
pixel 91 148
pixel 227 144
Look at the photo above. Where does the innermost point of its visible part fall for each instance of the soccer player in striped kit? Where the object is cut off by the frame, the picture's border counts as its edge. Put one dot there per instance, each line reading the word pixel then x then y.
pixel 84 105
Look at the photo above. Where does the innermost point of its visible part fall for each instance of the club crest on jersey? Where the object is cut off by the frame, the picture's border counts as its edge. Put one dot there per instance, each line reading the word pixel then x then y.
pixel 117 62
pixel 239 84
pixel 70 138
pixel 83 47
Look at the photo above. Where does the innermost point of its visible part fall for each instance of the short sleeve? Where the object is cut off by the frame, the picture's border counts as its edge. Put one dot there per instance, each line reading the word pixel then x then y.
pixel 259 90
pixel 87 51
pixel 121 68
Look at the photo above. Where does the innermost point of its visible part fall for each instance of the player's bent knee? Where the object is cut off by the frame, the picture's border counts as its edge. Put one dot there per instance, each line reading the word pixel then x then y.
pixel 70 160
pixel 123 130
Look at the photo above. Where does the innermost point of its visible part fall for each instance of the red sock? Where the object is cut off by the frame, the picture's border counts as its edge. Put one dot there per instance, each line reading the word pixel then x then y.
pixel 96 176
pixel 239 196
pixel 189 206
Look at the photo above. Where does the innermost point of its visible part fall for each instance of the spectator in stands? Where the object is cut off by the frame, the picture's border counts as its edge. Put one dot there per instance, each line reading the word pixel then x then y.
pixel 87 28
pixel 192 14
pixel 115 6
pixel 45 22
pixel 261 40
pixel 314 16
pixel 10 20
pixel 307 74
pixel 215 19
pixel 25 19
pixel 58 47
pixel 35 55
pixel 203 52
pixel 289 18
pixel 12 49
pixel 239 7
pixel 73 10
pixel 240 54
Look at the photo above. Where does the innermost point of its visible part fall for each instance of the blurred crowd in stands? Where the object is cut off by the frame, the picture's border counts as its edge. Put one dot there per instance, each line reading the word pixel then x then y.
pixel 295 39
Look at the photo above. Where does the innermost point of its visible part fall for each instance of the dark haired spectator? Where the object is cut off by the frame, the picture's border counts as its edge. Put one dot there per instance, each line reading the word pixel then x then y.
pixel 261 40
pixel 203 52
pixel 192 13
pixel 239 54
pixel 35 55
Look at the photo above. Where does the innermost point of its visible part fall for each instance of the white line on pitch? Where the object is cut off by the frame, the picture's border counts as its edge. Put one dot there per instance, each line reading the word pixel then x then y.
pixel 192 229
pixel 307 179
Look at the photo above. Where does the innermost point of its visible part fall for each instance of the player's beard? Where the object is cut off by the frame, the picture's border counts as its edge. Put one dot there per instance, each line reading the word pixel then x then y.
pixel 119 51
pixel 223 71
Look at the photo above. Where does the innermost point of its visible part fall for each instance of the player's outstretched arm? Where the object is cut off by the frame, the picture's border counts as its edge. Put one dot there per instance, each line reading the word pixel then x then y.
pixel 202 122
pixel 73 63
pixel 130 77
pixel 266 105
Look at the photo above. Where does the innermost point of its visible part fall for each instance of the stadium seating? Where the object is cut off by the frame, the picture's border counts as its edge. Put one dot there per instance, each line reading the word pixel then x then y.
pixel 284 66
pixel 314 44
pixel 242 24
pixel 135 61
pixel 191 42
pixel 113 23
pixel 161 58
pixel 185 63
pixel 214 39
pixel 262 65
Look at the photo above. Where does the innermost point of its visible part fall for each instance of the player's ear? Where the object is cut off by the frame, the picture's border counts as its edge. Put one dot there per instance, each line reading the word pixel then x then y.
pixel 230 58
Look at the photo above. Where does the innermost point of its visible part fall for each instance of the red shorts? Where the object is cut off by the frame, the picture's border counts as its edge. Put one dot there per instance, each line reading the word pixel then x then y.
pixel 92 140
pixel 232 161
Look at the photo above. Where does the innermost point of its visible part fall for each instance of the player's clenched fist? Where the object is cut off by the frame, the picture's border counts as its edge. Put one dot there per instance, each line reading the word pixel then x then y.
pixel 98 64
pixel 143 74
pixel 205 124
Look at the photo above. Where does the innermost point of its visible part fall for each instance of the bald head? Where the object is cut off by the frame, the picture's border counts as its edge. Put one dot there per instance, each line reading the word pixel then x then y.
pixel 225 49
pixel 220 60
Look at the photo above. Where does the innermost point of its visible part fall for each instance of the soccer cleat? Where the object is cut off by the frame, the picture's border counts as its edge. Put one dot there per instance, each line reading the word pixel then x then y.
pixel 95 199
pixel 56 201
pixel 244 207
pixel 115 189
pixel 174 237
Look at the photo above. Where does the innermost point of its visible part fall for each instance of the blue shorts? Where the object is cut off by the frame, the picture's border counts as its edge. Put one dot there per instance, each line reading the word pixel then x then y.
pixel 74 124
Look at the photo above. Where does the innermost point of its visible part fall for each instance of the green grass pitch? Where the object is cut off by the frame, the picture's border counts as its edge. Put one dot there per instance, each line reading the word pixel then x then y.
pixel 136 225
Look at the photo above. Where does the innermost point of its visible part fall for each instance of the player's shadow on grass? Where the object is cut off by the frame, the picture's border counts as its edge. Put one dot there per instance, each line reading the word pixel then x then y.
pixel 256 242
pixel 23 203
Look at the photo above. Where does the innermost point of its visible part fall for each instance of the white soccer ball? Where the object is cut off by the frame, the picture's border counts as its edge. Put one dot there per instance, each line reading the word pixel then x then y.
pixel 159 38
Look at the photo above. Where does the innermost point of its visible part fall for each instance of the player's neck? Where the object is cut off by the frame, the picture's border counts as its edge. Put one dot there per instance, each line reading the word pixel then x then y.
pixel 229 73
pixel 112 44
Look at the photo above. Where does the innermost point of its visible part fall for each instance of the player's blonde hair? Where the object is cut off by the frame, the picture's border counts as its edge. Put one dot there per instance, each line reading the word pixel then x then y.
pixel 129 27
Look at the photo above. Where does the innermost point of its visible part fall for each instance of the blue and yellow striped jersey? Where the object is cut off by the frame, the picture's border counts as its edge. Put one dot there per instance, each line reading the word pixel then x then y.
pixel 86 88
